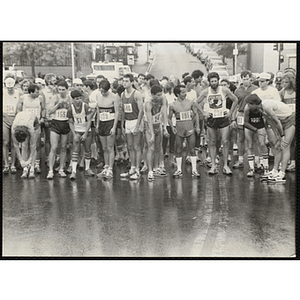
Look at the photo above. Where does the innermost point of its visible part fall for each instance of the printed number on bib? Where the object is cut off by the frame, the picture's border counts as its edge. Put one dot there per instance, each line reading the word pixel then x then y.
pixel 240 120
pixel 292 106
pixel 61 114
pixel 9 109
pixel 185 115
pixel 218 113
pixel 79 120
pixel 156 118
pixel 33 110
pixel 128 108
pixel 104 116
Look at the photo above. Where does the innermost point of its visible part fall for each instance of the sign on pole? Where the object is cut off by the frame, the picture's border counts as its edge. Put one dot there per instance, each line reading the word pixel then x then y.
pixel 130 60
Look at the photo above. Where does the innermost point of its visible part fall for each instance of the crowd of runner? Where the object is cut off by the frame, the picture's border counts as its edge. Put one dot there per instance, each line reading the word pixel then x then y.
pixel 143 122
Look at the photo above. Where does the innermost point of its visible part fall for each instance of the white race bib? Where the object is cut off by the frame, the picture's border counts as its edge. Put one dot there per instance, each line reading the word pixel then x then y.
pixel 104 116
pixel 127 108
pixel 156 118
pixel 10 109
pixel 218 113
pixel 79 120
pixel 186 115
pixel 61 113
pixel 240 119
pixel 292 106
pixel 35 111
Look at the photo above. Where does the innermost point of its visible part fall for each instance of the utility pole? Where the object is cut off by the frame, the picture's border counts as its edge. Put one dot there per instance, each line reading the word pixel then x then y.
pixel 235 53
pixel 147 52
pixel 73 67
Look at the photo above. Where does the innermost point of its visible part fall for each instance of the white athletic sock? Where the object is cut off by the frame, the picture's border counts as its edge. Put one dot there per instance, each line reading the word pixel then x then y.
pixel 241 158
pixel 251 161
pixel 178 162
pixel 194 163
pixel 74 166
pixel 87 163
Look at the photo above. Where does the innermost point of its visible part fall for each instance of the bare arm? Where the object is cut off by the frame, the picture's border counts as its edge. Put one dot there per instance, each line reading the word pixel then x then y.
pixel 139 100
pixel 148 107
pixel 234 100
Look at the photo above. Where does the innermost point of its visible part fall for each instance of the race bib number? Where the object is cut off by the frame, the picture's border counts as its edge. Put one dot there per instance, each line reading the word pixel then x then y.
pixel 104 116
pixel 186 115
pixel 240 120
pixel 218 113
pixel 127 108
pixel 61 114
pixel 156 118
pixel 292 106
pixel 79 120
pixel 9 109
pixel 35 111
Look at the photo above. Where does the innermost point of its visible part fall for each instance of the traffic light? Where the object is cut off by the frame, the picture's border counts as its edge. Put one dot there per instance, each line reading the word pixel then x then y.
pixel 281 46
pixel 275 47
pixel 281 59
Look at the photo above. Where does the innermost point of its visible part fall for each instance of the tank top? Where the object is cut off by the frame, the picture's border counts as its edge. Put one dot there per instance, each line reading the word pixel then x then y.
pixel 106 113
pixel 216 103
pixel 156 114
pixel 10 103
pixel 130 107
pixel 80 120
pixel 185 115
pixel 49 101
pixel 280 109
pixel 61 113
pixel 290 100
pixel 256 119
pixel 24 118
pixel 33 105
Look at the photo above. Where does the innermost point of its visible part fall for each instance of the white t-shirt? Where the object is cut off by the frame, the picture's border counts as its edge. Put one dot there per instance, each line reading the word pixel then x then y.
pixel 191 95
pixel 271 93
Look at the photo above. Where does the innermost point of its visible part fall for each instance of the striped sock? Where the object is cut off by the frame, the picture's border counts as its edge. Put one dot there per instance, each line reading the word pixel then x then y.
pixel 251 161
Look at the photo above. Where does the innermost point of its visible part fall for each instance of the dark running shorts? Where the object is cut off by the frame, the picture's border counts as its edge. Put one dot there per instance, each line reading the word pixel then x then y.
pixel 217 122
pixel 60 127
pixel 184 128
pixel 119 125
pixel 105 127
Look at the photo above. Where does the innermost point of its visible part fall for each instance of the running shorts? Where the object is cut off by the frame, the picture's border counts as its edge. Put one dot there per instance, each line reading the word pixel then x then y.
pixel 105 127
pixel 130 125
pixel 216 123
pixel 185 128
pixel 288 121
pixel 60 127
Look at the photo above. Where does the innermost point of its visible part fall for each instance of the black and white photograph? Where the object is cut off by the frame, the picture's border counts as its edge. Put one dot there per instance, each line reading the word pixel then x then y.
pixel 149 149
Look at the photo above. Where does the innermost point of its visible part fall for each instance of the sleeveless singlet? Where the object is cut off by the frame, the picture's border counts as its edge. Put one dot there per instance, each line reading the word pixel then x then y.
pixel 256 119
pixel 32 105
pixel 24 118
pixel 130 107
pixel 216 103
pixel 10 103
pixel 80 120
pixel 61 113
pixel 49 101
pixel 290 100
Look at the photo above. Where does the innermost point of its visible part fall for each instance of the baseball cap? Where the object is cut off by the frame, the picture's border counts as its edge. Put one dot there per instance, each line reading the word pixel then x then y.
pixel 264 76
pixel 9 82
pixel 77 81
pixel 39 80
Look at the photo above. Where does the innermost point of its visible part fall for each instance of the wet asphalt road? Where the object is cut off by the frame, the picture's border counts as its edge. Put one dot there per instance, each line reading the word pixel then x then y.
pixel 214 216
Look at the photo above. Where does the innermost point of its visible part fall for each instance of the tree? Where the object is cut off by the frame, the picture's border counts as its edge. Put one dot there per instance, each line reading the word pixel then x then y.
pixel 226 49
pixel 46 53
